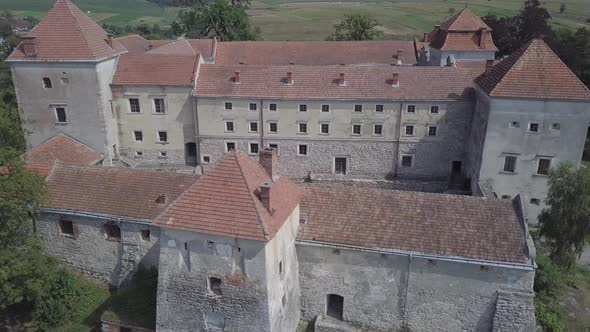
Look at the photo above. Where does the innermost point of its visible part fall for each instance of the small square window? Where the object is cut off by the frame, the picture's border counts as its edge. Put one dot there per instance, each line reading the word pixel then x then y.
pixel 556 126
pixel 534 127
pixel 535 201
pixel 163 154
pixel 325 108
pixel 411 108
pixel 145 234
pixel 510 164
pixel 410 130
pixel 229 126
pixel 206 159
pixel 139 153
pixel 253 106
pixel 272 127
pixel 273 146
pixel 215 285
pixel 60 113
pixel 229 146
pixel 66 227
pixel 325 128
pixel 272 107
pixel 379 108
pixel 253 127
pixel 302 149
pixel 134 105
pixel 228 106
pixel 356 129
pixel 544 166
pixel 253 148
pixel 302 108
pixel 46 82
pixel 138 135
pixel 378 129
pixel 358 108
pixel 303 128
pixel 433 109
pixel 112 231
pixel 407 161
pixel 432 130
pixel 162 136
pixel 159 105
pixel 514 124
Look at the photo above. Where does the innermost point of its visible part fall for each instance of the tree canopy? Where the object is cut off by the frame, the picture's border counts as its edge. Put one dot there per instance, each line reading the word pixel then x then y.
pixel 356 26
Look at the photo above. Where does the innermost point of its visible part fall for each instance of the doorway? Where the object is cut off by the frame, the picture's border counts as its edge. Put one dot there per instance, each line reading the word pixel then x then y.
pixel 456 168
pixel 190 154
pixel 334 306
pixel 340 165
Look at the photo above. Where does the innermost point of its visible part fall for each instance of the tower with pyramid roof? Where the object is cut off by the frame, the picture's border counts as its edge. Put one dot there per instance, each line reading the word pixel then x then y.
pixel 62 72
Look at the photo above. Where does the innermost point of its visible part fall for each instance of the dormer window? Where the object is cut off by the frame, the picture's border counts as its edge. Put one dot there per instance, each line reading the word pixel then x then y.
pixel 46 83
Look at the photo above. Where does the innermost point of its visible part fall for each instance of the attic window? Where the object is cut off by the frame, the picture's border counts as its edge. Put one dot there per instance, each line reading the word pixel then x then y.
pixel 66 228
pixel 46 83
pixel 112 232
pixel 145 235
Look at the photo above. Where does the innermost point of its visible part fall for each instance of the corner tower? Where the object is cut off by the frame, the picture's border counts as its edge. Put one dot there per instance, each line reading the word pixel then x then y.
pixel 62 72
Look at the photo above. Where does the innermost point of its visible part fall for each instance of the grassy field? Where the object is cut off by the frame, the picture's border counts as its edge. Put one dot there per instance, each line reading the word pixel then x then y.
pixel 313 19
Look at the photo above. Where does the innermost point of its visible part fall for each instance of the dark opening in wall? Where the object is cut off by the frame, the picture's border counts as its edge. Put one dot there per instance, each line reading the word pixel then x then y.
pixel 112 231
pixel 66 227
pixel 334 306
pixel 145 234
pixel 215 285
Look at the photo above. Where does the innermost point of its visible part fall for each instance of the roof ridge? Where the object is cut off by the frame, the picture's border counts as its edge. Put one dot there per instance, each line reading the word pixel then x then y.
pixel 253 197
pixel 67 4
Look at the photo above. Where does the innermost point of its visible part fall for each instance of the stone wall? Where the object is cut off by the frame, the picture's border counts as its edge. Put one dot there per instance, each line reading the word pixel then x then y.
pixel 514 312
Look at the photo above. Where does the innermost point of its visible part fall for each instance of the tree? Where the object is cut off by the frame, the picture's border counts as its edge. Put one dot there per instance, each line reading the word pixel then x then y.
pixel 565 224
pixel 574 49
pixel 216 18
pixel 356 26
pixel 187 3
pixel 562 8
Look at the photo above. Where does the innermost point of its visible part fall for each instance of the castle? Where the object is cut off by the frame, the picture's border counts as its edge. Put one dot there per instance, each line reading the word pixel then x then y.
pixel 243 248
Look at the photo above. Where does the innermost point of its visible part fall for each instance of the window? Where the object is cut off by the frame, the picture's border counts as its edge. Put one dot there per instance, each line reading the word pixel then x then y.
pixel 190 149
pixel 356 129
pixel 253 148
pixel 66 228
pixel 253 106
pixel 514 124
pixel 215 321
pixel 272 107
pixel 60 113
pixel 206 159
pixel 46 82
pixel 407 161
pixel 138 135
pixel 162 136
pixel 433 109
pixel 556 126
pixel 303 127
pixel 379 108
pixel 410 130
pixel 139 153
pixel 302 150
pixel 432 130
pixel 544 166
pixel 272 127
pixel 112 231
pixel 134 105
pixel 163 154
pixel 358 108
pixel 411 108
pixel 145 234
pixel 281 267
pixel 229 146
pixel 159 105
pixel 334 306
pixel 325 108
pixel 510 164
pixel 274 146
pixel 228 106
pixel 229 126
pixel 302 108
pixel 325 128
pixel 340 166
pixel 506 197
pixel 215 285
pixel 378 129
pixel 535 201
pixel 253 127
pixel 534 127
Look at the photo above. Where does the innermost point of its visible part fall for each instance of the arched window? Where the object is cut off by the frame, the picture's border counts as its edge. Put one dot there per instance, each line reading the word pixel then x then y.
pixel 46 82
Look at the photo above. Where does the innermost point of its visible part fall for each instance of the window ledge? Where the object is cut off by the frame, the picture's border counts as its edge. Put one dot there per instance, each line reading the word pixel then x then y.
pixel 508 173
pixel 135 113
pixel 113 239
pixel 163 143
pixel 62 123
pixel 301 133
pixel 69 236
pixel 541 175
pixel 272 132
pixel 324 134
pixel 156 113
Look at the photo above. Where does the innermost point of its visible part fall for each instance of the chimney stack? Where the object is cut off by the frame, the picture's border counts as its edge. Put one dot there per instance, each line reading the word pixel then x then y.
pixel 342 82
pixel 489 66
pixel 28 46
pixel 400 57
pixel 268 161
pixel 436 27
pixel 150 46
pixel 237 77
pixel 110 40
pixel 395 80
pixel 265 195
pixel 289 77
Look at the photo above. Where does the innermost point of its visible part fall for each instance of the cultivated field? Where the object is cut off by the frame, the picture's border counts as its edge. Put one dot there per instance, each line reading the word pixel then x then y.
pixel 313 19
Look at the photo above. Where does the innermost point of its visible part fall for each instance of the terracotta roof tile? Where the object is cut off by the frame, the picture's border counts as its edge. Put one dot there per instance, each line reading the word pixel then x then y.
pixel 66 33
pixel 533 71
pixel 465 20
pixel 321 82
pixel 136 44
pixel 156 69
pixel 177 47
pixel 224 202
pixel 436 224
pixel 120 192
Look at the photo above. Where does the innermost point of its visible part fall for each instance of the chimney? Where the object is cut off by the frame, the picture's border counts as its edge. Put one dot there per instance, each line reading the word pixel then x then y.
pixel 342 82
pixel 110 40
pixel 268 161
pixel 289 77
pixel 265 195
pixel 237 77
pixel 489 66
pixel 395 80
pixel 29 46
pixel 161 199
pixel 150 46
pixel 483 38
pixel 400 57
pixel 436 27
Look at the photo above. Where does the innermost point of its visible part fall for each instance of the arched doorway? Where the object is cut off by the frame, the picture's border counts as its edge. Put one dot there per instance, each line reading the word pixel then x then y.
pixel 190 154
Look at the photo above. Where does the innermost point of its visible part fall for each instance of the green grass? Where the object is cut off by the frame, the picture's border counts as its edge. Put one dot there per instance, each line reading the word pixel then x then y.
pixel 586 163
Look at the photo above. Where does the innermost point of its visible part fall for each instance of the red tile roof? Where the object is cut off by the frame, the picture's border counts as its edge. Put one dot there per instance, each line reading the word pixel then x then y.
pixel 63 148
pixel 465 20
pixel 314 53
pixel 177 47
pixel 225 202
pixel 122 192
pixel 462 32
pixel 533 71
pixel 321 82
pixel 156 69
pixel 68 34
pixel 435 224
pixel 136 44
